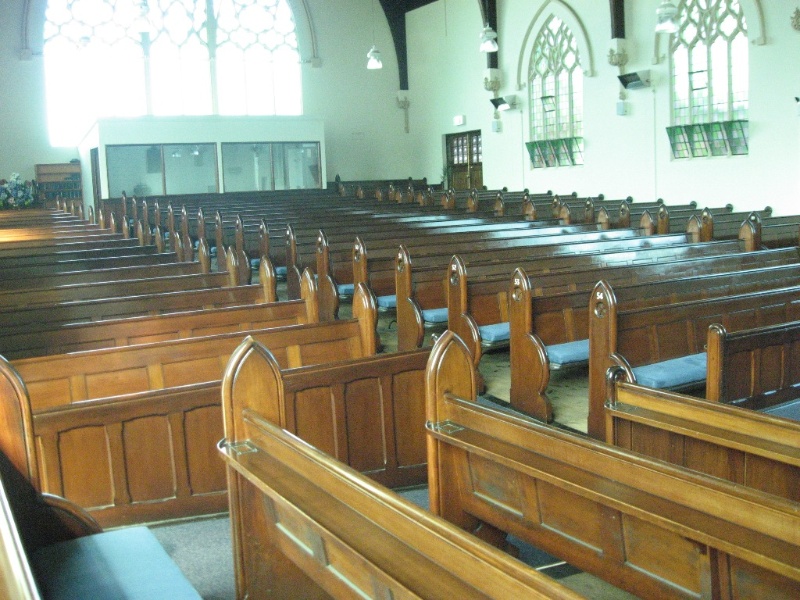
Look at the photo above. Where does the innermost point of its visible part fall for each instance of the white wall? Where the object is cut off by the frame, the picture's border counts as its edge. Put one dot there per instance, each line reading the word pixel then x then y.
pixel 624 155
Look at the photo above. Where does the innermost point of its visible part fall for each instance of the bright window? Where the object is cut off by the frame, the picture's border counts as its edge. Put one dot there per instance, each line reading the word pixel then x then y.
pixel 129 58
pixel 555 90
pixel 709 68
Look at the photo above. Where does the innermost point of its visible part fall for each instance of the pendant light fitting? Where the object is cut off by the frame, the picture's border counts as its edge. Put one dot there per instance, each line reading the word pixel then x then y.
pixel 374 60
pixel 488 39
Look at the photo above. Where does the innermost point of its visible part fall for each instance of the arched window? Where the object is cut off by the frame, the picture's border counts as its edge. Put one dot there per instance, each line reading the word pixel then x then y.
pixel 709 71
pixel 128 58
pixel 555 94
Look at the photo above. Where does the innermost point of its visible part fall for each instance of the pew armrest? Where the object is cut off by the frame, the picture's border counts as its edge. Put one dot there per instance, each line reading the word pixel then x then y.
pixel 74 519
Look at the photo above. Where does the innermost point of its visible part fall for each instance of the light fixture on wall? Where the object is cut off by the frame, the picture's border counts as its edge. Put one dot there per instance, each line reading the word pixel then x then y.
pixel 488 39
pixel 504 103
pixel 667 18
pixel 374 56
pixel 488 35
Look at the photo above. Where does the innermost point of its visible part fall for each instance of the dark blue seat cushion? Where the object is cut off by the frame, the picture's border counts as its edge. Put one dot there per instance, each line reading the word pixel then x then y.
pixel 125 564
pixel 345 289
pixel 787 410
pixel 673 373
pixel 280 271
pixel 568 353
pixel 495 333
pixel 435 315
pixel 387 301
pixel 254 262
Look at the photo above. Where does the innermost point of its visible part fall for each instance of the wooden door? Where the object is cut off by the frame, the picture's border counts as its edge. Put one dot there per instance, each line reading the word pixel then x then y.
pixel 465 160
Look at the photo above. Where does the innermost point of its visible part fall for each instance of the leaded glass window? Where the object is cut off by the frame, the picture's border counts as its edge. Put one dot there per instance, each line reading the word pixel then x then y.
pixel 127 58
pixel 555 93
pixel 709 70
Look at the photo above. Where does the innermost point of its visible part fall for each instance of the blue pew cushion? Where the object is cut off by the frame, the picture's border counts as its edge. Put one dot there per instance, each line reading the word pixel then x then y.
pixel 495 333
pixel 254 262
pixel 673 373
pixel 387 301
pixel 281 271
pixel 435 315
pixel 787 410
pixel 345 289
pixel 126 563
pixel 568 353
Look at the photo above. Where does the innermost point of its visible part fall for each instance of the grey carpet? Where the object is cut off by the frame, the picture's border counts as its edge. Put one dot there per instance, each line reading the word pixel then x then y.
pixel 203 551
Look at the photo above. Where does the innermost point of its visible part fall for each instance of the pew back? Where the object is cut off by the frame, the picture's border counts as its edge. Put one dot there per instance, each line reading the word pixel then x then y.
pixel 308 526
pixel 654 529
pixel 742 446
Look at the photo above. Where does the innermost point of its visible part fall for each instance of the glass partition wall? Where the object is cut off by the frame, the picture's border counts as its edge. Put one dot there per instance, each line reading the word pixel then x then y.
pixel 158 169
pixel 271 166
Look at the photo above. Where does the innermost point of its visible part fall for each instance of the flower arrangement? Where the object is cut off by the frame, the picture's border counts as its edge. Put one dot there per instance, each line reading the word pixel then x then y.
pixel 15 193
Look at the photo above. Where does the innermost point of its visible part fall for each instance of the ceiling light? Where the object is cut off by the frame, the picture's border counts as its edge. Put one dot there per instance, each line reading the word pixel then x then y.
pixel 374 58
pixel 667 18
pixel 488 39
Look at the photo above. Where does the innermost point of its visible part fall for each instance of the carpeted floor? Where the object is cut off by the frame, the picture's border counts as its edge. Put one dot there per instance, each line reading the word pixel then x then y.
pixel 202 549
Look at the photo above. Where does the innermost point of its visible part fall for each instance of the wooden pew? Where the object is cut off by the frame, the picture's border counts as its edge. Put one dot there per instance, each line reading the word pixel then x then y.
pixel 367 412
pixel 36 216
pixel 94 413
pixel 755 368
pixel 66 244
pixel 746 447
pixel 420 287
pixel 307 526
pixel 11 300
pixel 553 330
pixel 78 254
pixel 24 236
pixel 483 296
pixel 26 342
pixel 387 236
pixel 338 276
pixel 640 340
pixel 720 226
pixel 50 548
pixel 14 271
pixel 656 530
pixel 85 276
pixel 46 316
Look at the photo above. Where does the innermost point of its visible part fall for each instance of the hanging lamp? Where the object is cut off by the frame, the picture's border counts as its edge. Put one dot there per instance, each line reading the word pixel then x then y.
pixel 374 60
pixel 488 39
